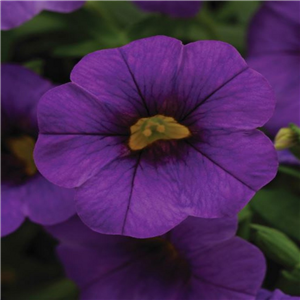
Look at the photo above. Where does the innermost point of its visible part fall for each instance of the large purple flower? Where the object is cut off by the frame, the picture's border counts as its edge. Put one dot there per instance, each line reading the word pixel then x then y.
pixel 15 13
pixel 155 131
pixel 181 9
pixel 274 51
pixel 24 191
pixel 276 295
pixel 199 259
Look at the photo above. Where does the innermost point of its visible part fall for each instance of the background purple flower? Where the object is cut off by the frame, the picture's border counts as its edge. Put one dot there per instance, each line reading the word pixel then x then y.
pixel 199 259
pixel 24 192
pixel 181 9
pixel 15 13
pixel 205 86
pixel 276 295
pixel 274 51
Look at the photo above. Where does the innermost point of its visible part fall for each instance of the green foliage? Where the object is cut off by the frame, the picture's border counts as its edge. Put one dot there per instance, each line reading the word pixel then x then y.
pixel 276 246
pixel 280 208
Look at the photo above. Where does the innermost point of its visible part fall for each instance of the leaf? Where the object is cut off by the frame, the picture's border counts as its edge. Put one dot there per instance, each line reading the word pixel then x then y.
pixel 280 208
pixel 289 281
pixel 187 30
pixel 276 246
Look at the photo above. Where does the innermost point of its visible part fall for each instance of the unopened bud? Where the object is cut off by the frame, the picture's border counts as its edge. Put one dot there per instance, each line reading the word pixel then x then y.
pixel 276 246
pixel 286 138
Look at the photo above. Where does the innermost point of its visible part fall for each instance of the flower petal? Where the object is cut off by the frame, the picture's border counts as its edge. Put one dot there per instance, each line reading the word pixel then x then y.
pixel 63 6
pixel 20 93
pixel 153 193
pixel 137 76
pixel 46 203
pixel 15 13
pixel 275 28
pixel 246 102
pixel 232 270
pixel 206 66
pixel 12 215
pixel 282 71
pixel 126 201
pixel 70 160
pixel 68 109
pixel 195 234
pixel 248 156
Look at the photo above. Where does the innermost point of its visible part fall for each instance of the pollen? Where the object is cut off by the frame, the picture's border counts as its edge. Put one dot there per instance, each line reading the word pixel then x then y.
pixel 149 130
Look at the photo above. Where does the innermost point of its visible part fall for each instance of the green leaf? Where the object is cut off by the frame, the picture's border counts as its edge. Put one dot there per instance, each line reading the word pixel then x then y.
pixel 289 282
pixel 280 208
pixel 35 65
pixel 237 11
pixel 276 246
pixel 290 171
pixel 187 30
pixel 63 289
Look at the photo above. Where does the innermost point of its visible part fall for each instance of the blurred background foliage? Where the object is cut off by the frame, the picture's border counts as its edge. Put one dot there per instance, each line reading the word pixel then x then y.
pixel 51 44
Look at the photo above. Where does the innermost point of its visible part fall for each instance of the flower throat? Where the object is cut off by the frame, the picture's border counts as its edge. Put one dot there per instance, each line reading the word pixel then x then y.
pixel 22 149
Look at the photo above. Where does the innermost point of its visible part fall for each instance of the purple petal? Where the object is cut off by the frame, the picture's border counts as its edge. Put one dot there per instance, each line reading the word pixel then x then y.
pixel 248 156
pixel 63 6
pixel 21 91
pixel 232 270
pixel 181 9
pixel 61 106
pixel 275 295
pixel 287 158
pixel 67 150
pixel 122 199
pixel 106 76
pixel 46 203
pixel 204 233
pixel 108 267
pixel 206 67
pixel 275 28
pixel 12 215
pixel 154 193
pixel 246 102
pixel 153 63
pixel 15 13
pixel 138 76
pixel 70 160
pixel 282 71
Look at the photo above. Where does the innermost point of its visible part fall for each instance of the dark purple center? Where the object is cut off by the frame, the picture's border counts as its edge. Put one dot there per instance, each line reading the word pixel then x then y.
pixel 163 259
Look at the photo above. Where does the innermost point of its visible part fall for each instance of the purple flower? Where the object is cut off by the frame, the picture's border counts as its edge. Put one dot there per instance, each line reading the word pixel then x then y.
pixel 155 131
pixel 181 9
pixel 276 295
pixel 25 193
pixel 274 51
pixel 15 13
pixel 199 259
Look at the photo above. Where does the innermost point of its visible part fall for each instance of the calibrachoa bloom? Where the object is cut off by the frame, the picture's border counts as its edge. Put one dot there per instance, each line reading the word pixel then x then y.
pixel 181 9
pixel 274 51
pixel 155 131
pixel 24 192
pixel 15 13
pixel 199 259
pixel 276 295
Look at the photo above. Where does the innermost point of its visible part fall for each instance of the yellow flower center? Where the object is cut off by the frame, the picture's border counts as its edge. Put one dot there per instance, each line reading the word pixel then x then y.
pixel 148 130
pixel 22 148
